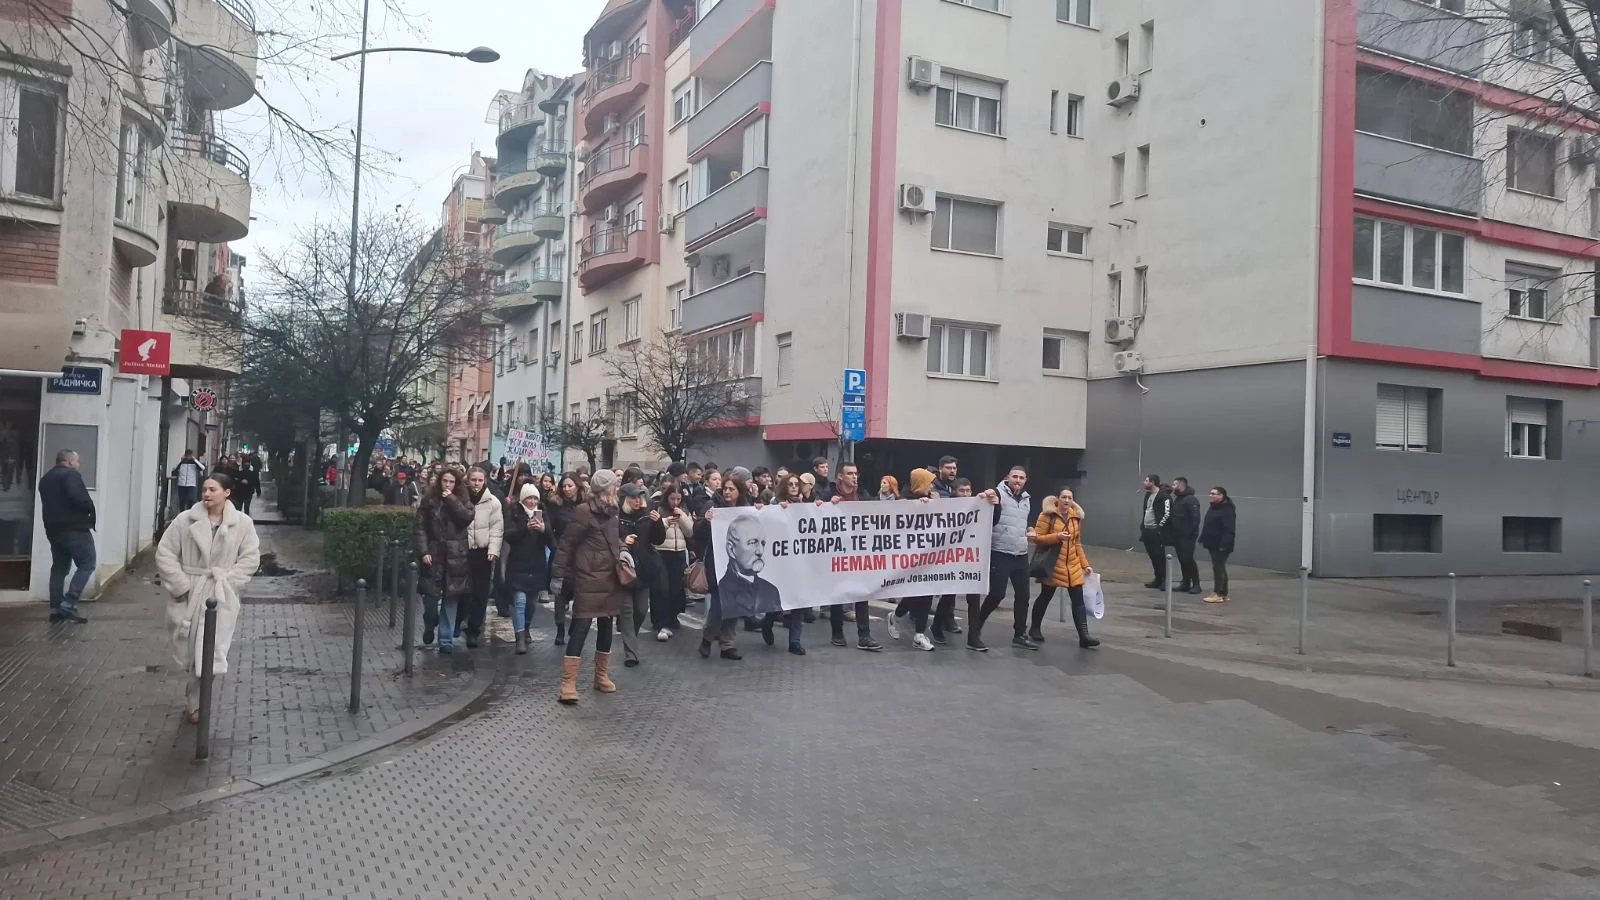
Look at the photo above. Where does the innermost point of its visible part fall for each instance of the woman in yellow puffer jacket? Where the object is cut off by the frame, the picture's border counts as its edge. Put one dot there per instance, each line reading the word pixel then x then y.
pixel 1061 525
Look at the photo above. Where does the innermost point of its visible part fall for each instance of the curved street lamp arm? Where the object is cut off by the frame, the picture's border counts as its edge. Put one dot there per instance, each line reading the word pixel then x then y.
pixel 352 53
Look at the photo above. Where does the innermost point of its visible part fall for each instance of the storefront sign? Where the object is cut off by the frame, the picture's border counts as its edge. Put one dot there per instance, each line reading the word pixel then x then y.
pixel 204 399
pixel 145 353
pixel 76 380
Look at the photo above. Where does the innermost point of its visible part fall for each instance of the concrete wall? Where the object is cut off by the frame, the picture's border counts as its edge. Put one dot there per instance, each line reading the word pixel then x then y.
pixel 1399 318
pixel 1239 427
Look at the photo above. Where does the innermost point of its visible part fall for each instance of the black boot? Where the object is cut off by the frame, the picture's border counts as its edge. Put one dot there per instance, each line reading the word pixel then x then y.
pixel 561 633
pixel 1080 619
pixel 522 643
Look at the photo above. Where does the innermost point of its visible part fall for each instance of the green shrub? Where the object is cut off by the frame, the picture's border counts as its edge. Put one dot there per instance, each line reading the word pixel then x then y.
pixel 350 537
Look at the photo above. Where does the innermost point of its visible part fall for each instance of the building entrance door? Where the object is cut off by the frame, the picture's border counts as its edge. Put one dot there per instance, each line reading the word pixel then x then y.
pixel 20 400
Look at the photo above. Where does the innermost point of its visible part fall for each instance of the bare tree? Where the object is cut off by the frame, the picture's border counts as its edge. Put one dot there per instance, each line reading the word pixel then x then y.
pixel 584 432
pixel 679 392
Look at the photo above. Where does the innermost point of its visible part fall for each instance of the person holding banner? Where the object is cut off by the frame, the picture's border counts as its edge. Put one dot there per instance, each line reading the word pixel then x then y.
pixel 589 555
pixel 1008 559
pixel 847 489
pixel 1061 525
pixel 720 624
pixel 920 488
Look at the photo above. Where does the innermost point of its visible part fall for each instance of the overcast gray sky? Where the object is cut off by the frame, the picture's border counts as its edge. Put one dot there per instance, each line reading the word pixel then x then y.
pixel 427 112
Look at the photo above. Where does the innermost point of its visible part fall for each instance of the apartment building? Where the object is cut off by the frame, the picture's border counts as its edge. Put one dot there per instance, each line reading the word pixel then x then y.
pixel 118 197
pixel 534 197
pixel 469 379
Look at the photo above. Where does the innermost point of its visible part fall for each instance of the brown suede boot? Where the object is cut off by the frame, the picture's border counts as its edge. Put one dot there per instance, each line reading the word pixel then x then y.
pixel 569 680
pixel 602 674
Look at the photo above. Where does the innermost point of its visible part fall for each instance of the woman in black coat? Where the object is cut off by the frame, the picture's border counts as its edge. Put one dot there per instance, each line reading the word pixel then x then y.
pixel 441 545
pixel 527 539
pixel 1217 537
pixel 558 516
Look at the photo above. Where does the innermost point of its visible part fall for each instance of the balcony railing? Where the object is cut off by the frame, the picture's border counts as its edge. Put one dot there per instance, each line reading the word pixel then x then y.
pixel 610 158
pixel 731 105
pixel 519 114
pixel 606 242
pixel 511 287
pixel 546 274
pixel 610 74
pixel 192 304
pixel 732 203
pixel 214 149
pixel 241 10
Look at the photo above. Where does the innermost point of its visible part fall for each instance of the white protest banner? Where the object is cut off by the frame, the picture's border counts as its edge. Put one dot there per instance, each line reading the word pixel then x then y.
pixel 525 446
pixel 776 559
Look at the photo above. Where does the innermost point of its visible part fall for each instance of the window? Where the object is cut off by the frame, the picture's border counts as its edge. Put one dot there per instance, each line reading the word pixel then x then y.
pixel 1147 50
pixel 1533 38
pixel 30 144
pixel 633 216
pixel 1141 172
pixel 577 410
pixel 969 103
pixel 990 5
pixel 1065 353
pixel 1531 292
pixel 552 402
pixel 1075 115
pixel 594 409
pixel 1409 110
pixel 675 295
pixel 1454 6
pixel 131 193
pixel 1068 239
pixel 627 408
pixel 577 343
pixel 597 333
pixel 958 350
pixel 511 355
pixel 1405 418
pixel 1141 289
pixel 630 319
pixel 1055 111
pixel 785 358
pixel 680 193
pixel 1123 60
pixel 500 419
pixel 1407 534
pixel 683 101
pixel 1531 162
pixel 1078 12
pixel 728 354
pixel 970 226
pixel 1528 428
pixel 1527 534
pixel 633 132
pixel 1408 256
pixel 1114 291
pixel 533 353
pixel 555 339
pixel 533 412
pixel 1119 171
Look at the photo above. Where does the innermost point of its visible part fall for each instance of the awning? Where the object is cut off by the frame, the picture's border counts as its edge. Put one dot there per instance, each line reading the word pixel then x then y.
pixel 34 345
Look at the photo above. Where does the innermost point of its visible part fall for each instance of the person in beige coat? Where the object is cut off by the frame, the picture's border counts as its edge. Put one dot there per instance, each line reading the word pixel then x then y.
pixel 485 536
pixel 210 551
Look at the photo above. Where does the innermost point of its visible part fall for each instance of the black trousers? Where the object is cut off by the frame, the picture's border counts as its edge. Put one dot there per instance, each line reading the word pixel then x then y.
pixel 476 607
pixel 1157 549
pixel 676 598
pixel 1075 594
pixel 944 613
pixel 580 633
pixel 863 620
pixel 918 608
pixel 1187 569
pixel 1013 569
pixel 1219 571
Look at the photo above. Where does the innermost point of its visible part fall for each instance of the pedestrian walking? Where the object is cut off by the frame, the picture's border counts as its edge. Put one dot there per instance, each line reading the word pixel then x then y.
pixel 402 491
pixel 559 508
pixel 641 528
pixel 847 489
pixel 1009 559
pixel 1060 525
pixel 1181 532
pixel 589 555
pixel 678 532
pixel 718 629
pixel 944 614
pixel 209 552
pixel 187 475
pixel 1156 510
pixel 69 521
pixel 442 523
pixel 1217 537
pixel 485 538
pixel 527 540
pixel 246 485
pixel 918 608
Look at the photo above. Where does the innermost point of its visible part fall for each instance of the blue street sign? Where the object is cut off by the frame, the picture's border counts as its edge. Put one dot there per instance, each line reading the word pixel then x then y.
pixel 76 380
pixel 853 422
pixel 385 446
pixel 855 385
pixel 1342 439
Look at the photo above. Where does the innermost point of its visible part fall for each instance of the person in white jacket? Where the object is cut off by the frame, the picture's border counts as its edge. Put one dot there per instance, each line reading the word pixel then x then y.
pixel 485 536
pixel 209 552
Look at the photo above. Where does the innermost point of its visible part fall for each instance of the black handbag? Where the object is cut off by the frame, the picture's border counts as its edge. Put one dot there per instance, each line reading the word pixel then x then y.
pixel 1042 562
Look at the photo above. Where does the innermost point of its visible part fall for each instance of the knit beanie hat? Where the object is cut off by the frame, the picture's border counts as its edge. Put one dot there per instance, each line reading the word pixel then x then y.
pixel 921 482
pixel 602 481
pixel 528 490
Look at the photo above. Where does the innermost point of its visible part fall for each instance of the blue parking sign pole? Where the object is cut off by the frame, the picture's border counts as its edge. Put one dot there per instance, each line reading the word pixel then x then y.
pixel 853 412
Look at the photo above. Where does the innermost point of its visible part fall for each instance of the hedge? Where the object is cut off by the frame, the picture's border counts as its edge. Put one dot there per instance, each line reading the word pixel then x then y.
pixel 350 537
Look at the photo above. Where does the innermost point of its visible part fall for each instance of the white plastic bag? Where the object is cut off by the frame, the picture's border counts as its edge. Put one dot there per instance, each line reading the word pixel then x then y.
pixel 1094 599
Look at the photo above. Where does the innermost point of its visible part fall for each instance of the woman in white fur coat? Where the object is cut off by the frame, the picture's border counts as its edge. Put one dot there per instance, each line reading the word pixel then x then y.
pixel 210 551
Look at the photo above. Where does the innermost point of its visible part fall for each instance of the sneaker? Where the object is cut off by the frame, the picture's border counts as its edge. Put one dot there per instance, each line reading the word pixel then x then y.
pixel 1192 589
pixel 664 635
pixel 954 627
pixel 849 615
pixel 869 645
pixel 939 638
pixel 427 635
pixel 1036 636
pixel 894 630
pixel 1021 642
pixel 976 643
pixel 1212 598
pixel 732 653
pixel 921 642
pixel 839 641
pixel 766 632
pixel 1153 585
pixel 797 650
pixel 446 649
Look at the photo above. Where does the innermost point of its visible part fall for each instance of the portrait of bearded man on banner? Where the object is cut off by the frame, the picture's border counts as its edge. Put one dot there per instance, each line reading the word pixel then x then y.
pixel 742 590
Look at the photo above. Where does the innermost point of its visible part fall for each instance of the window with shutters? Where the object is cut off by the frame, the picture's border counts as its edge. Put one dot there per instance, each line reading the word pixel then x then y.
pixel 966 226
pixel 1528 428
pixel 1407 534
pixel 1406 418
pixel 969 103
pixel 1530 534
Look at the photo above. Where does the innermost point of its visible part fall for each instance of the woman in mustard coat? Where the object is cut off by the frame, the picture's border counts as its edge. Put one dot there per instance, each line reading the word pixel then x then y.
pixel 1061 525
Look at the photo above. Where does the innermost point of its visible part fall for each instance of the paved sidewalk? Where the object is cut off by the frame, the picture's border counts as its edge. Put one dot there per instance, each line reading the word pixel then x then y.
pixel 91 716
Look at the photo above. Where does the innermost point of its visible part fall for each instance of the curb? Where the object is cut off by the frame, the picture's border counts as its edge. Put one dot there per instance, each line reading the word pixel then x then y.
pixel 308 766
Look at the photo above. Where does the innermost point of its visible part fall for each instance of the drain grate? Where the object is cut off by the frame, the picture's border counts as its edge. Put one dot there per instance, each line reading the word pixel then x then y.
pixel 23 807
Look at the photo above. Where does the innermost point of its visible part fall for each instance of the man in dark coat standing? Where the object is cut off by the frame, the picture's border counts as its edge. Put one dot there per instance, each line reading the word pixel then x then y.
pixel 68 513
pixel 1181 532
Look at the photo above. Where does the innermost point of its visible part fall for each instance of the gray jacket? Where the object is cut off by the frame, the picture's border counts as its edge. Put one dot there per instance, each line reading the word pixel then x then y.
pixel 1012 519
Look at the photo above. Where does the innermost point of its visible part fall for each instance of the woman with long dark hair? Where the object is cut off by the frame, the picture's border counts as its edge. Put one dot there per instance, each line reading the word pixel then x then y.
pixel 588 556
pixel 443 520
pixel 674 553
pixel 559 507
pixel 731 494
pixel 1061 525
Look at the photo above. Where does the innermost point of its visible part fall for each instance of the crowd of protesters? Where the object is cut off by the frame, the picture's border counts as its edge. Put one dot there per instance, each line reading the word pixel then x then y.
pixel 621 553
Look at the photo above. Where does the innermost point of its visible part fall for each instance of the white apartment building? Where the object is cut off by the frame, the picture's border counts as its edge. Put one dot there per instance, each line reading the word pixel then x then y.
pixel 1325 254
pixel 531 215
pixel 117 199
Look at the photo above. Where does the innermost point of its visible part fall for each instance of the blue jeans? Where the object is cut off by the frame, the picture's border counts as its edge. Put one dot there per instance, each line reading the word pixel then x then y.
pixel 440 614
pixel 519 610
pixel 68 549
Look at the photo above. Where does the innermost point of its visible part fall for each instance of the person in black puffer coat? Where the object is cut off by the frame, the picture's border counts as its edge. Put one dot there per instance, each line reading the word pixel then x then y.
pixel 642 523
pixel 526 572
pixel 558 516
pixel 441 546
pixel 1181 531
pixel 1217 536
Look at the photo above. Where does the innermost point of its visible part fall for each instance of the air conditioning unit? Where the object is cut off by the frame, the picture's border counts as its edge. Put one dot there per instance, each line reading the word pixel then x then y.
pixel 1121 331
pixel 609 214
pixel 914 198
pixel 692 260
pixel 909 326
pixel 613 50
pixel 1128 362
pixel 1585 151
pixel 922 74
pixel 1123 91
pixel 669 223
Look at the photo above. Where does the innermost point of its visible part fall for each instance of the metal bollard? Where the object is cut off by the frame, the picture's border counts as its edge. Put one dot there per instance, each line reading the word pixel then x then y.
pixel 377 573
pixel 1588 629
pixel 1169 595
pixel 1305 602
pixel 355 653
pixel 202 740
pixel 394 581
pixel 409 589
pixel 1450 623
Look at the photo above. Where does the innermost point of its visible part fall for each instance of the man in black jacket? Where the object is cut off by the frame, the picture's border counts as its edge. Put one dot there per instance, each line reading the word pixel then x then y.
pixel 68 513
pixel 1156 508
pixel 1182 529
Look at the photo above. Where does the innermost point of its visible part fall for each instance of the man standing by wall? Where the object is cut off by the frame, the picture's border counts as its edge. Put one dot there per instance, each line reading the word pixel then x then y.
pixel 189 473
pixel 68 513
pixel 1157 509
pixel 1183 529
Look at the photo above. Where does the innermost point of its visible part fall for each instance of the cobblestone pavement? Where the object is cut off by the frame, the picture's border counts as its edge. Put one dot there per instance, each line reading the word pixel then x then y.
pixel 902 774
pixel 91 716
